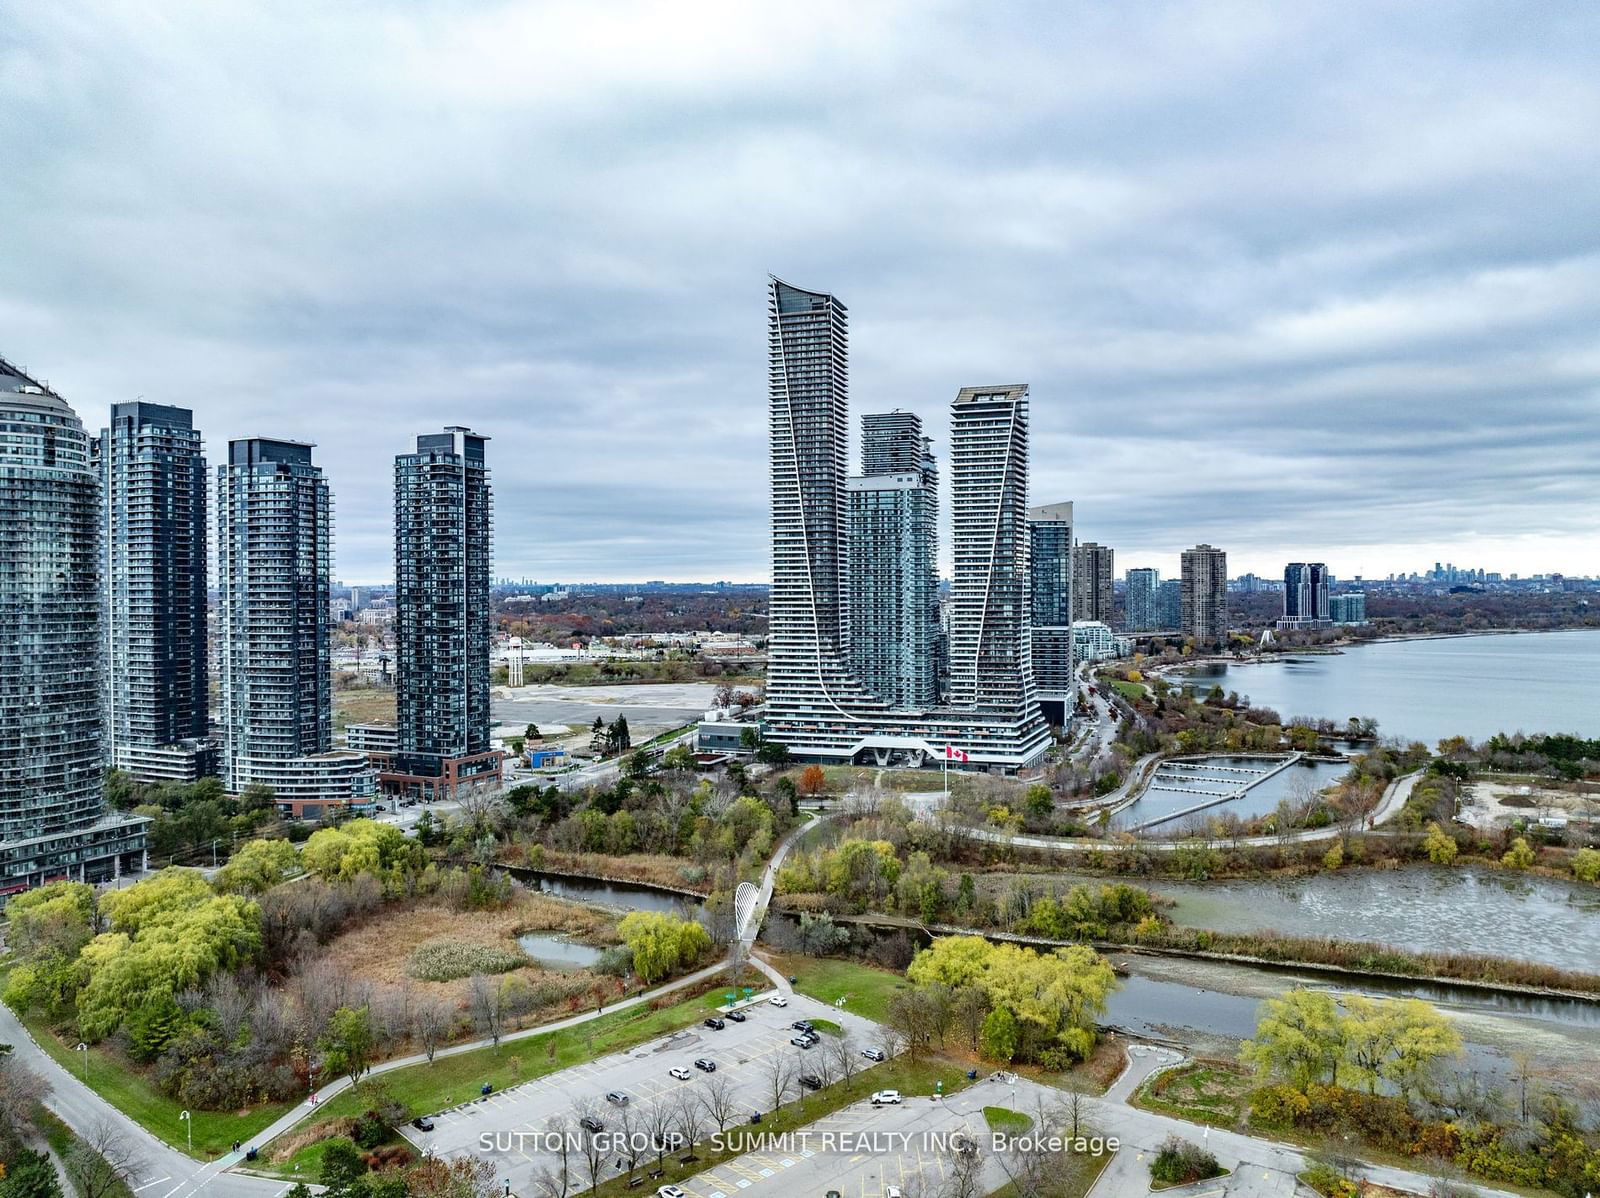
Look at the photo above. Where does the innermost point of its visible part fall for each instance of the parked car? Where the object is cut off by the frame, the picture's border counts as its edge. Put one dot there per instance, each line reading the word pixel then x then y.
pixel 422 1123
pixel 590 1123
pixel 873 1054
pixel 811 1081
pixel 669 1192
pixel 715 1024
pixel 737 1016
pixel 778 1000
pixel 891 1097
pixel 679 1072
pixel 802 1025
pixel 801 1041
pixel 892 1192
pixel 617 1098
pixel 705 1065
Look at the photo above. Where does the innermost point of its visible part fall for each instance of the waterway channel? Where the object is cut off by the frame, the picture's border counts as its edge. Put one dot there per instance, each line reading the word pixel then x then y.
pixel 1210 1006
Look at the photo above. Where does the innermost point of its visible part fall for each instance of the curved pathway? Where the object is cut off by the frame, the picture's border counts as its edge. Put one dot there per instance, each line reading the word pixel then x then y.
pixel 1393 801
pixel 739 951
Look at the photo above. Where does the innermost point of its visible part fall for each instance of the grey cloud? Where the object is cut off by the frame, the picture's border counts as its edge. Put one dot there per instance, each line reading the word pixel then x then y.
pixel 1296 280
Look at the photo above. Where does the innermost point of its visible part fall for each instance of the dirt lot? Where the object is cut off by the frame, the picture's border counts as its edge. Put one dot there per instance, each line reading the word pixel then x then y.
pixel 379 950
pixel 1489 804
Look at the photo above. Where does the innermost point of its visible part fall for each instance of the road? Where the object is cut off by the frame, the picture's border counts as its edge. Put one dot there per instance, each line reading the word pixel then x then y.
pixel 161 1171
pixel 860 1150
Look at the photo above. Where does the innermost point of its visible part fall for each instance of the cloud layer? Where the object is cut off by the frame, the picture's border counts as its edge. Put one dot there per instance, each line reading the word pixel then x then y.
pixel 1299 280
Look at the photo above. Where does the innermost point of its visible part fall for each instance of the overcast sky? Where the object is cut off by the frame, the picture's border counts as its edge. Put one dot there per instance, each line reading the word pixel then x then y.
pixel 1301 280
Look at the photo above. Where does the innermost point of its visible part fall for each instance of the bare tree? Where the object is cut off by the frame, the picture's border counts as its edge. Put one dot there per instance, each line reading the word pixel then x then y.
pixel 20 1090
pixel 688 1115
pixel 431 1021
pixel 908 1017
pixel 964 1174
pixel 938 1008
pixel 481 810
pixel 555 1179
pixel 463 1177
pixel 821 1063
pixel 101 1160
pixel 718 1098
pixel 592 1145
pixel 485 998
pixel 778 1073
pixel 660 1119
pixel 1075 1107
pixel 844 1056
pixel 892 1039
pixel 631 1126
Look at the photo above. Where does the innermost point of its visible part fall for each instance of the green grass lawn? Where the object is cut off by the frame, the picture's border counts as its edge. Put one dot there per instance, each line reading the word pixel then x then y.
pixel 1002 1119
pixel 914 1079
pixel 425 1089
pixel 827 1027
pixel 1131 691
pixel 131 1092
pixel 865 989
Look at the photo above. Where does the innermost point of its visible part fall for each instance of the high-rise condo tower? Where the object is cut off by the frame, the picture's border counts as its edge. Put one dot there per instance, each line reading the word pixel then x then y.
pixel 153 543
pixel 274 549
pixel 442 554
pixel 52 765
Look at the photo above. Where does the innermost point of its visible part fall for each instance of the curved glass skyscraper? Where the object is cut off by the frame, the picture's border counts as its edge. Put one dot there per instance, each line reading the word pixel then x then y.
pixel 51 755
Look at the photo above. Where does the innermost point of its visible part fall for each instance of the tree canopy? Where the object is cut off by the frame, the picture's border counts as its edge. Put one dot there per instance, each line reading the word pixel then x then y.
pixel 1052 998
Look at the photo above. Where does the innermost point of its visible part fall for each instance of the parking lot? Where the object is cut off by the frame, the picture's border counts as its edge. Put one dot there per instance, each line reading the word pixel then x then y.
pixel 861 1150
pixel 742 1052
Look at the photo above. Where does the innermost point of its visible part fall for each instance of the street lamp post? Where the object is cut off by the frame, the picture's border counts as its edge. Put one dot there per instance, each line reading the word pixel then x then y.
pixel 188 1124
pixel 84 1049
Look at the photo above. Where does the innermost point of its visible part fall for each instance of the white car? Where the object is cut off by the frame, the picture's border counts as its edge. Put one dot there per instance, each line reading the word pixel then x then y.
pixel 778 1000
pixel 892 1097
pixel 669 1192
pixel 679 1072
pixel 873 1054
pixel 891 1192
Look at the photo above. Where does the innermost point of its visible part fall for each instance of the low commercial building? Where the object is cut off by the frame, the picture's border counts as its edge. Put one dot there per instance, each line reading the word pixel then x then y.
pixel 316 785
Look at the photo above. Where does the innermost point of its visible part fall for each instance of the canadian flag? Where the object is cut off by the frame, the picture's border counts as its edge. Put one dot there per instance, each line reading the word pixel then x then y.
pixel 951 753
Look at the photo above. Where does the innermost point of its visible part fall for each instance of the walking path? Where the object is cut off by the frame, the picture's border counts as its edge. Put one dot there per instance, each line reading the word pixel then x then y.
pixel 745 937
pixel 1394 799
pixel 1260 1168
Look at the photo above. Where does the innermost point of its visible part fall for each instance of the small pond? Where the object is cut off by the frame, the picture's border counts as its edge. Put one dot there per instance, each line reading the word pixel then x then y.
pixel 557 952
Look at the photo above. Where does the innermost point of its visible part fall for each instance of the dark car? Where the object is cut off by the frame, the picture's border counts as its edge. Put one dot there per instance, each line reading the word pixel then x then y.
pixel 715 1024
pixel 422 1123
pixel 802 1025
pixel 590 1123
pixel 810 1081
pixel 736 1016
pixel 705 1065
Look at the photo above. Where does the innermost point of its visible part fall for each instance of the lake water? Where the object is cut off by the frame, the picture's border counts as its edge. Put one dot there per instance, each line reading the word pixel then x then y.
pixel 1197 782
pixel 1466 910
pixel 1470 686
